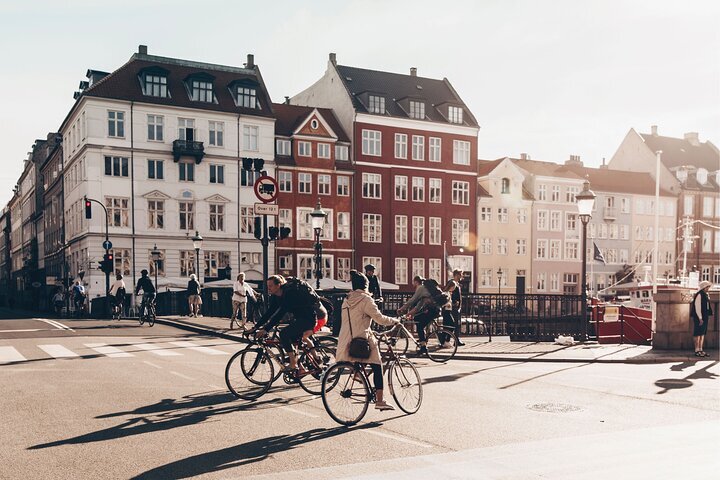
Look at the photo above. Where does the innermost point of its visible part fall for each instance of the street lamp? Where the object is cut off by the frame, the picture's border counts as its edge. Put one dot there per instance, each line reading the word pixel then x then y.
pixel 197 245
pixel 317 220
pixel 499 274
pixel 155 253
pixel 585 202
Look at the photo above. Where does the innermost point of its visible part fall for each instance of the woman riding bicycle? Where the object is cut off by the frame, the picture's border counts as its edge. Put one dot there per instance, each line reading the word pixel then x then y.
pixel 117 292
pixel 358 312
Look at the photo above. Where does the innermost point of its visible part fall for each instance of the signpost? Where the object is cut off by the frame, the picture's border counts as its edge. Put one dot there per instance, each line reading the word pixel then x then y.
pixel 266 209
pixel 266 189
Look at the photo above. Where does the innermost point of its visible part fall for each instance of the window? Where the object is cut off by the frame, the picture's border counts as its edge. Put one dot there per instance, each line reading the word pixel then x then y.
pixel 555 220
pixel 401 271
pixel 505 185
pixel 376 104
pixel 215 261
pixel 418 189
pixel 401 187
pixel 570 223
pixel 343 269
pixel 707 207
pixel 155 86
pixel 116 124
pixel 688 205
pixel 246 97
pixel 706 241
pixel 156 214
pixel 122 260
pixel 118 211
pixel 282 147
pixel 554 282
pixel 341 153
pixel 285 262
pixel 400 145
pixel 371 143
pixel 555 193
pixel 435 190
pixel 434 231
pixel 418 230
pixel 455 115
pixel 248 178
pixel 216 133
pixel 502 246
pixel 570 193
pixel 542 193
pixel 305 230
pixel 418 267
pixel 371 185
pixel 186 129
pixel 323 184
pixel 623 255
pixel 372 228
pixel 486 277
pixel 187 215
pixel 435 149
pixel 201 91
pixel 304 183
pixel 572 249
pixel 461 152
pixel 160 262
pixel 625 232
pixel 155 128
pixel 486 246
pixel 717 241
pixel 401 226
pixel 486 214
pixel 460 232
pixel 461 194
pixel 285 181
pixel 554 252
pixel 377 261
pixel 343 226
pixel 304 149
pixel 541 253
pixel 343 186
pixel 624 205
pixel 542 220
pixel 217 217
pixel 250 138
pixel 217 173
pixel 520 246
pixel 323 150
pixel 614 231
pixel 247 219
pixel 285 219
pixel 522 215
pixel 116 166
pixel 417 110
pixel 186 171
pixel 435 268
pixel 541 282
pixel 418 147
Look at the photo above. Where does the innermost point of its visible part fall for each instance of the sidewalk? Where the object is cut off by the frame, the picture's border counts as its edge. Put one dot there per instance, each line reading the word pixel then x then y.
pixel 499 349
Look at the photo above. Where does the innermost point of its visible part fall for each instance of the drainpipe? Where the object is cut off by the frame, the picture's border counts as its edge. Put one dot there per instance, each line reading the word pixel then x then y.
pixel 239 167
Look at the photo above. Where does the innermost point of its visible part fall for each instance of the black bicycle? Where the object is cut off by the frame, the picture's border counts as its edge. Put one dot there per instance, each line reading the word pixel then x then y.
pixel 147 311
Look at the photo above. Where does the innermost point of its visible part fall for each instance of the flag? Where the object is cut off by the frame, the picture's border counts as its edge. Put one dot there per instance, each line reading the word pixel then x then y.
pixel 597 254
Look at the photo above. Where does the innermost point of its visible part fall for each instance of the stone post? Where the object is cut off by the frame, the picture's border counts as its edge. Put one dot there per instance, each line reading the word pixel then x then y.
pixel 673 326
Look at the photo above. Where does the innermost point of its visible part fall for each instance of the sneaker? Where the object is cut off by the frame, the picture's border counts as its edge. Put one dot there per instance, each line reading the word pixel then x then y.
pixel 422 350
pixel 460 343
pixel 384 406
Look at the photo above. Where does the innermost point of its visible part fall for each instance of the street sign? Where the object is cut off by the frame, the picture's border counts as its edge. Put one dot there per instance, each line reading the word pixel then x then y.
pixel 107 244
pixel 266 189
pixel 266 209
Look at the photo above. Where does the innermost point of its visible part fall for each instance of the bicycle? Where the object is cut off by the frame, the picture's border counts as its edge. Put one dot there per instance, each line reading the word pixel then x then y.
pixel 346 391
pixel 147 311
pixel 117 310
pixel 441 340
pixel 250 373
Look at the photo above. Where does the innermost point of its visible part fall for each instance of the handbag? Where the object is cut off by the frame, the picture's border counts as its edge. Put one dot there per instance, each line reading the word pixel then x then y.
pixel 359 346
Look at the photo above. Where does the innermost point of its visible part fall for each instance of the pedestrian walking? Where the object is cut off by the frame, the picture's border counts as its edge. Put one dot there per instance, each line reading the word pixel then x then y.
pixel 193 293
pixel 241 291
pixel 373 283
pixel 700 312
pixel 456 299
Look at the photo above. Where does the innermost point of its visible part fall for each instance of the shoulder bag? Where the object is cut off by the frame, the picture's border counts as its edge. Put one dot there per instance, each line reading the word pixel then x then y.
pixel 359 346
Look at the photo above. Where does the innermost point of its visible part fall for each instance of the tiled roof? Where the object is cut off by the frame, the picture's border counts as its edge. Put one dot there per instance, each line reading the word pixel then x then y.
pixel 487 166
pixel 606 180
pixel 481 192
pixel 124 84
pixel 679 151
pixel 395 87
pixel 289 118
pixel 544 169
pixel 692 183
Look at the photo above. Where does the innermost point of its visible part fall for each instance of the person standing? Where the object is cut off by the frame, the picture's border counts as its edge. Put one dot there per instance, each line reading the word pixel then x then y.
pixel 373 284
pixel 193 293
pixel 456 299
pixel 700 312
pixel 241 291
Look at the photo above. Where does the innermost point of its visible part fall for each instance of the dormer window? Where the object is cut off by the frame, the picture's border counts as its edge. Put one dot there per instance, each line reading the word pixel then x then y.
pixel 702 176
pixel 417 110
pixel 155 85
pixel 455 115
pixel 202 91
pixel 376 104
pixel 246 97
pixel 505 188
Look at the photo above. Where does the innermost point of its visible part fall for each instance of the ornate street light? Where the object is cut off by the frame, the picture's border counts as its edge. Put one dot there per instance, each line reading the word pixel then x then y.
pixel 197 245
pixel 317 219
pixel 155 253
pixel 585 203
pixel 499 274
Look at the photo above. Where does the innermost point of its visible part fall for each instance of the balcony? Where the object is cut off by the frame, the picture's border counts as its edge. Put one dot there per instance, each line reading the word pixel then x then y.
pixel 189 148
pixel 610 213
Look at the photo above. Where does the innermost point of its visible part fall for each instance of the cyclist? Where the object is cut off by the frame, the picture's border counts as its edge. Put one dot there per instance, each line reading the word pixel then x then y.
pixel 298 298
pixel 421 309
pixel 117 292
pixel 145 284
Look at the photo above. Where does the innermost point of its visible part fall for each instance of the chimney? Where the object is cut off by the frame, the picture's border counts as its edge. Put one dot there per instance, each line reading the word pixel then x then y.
pixel 413 72
pixel 524 156
pixel 653 130
pixel 333 59
pixel 250 61
pixel 692 137
pixel 142 49
pixel 574 160
pixel 287 100
pixel 604 165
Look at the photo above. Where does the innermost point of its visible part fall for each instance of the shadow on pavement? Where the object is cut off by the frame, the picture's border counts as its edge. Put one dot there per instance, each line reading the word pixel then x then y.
pixel 704 373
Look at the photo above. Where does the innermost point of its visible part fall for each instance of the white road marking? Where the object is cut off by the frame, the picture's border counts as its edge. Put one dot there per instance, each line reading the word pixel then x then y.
pixel 108 350
pixel 299 412
pixel 395 438
pixel 198 348
pixel 26 330
pixel 56 324
pixel 182 376
pixel 157 350
pixel 9 355
pixel 152 364
pixel 58 351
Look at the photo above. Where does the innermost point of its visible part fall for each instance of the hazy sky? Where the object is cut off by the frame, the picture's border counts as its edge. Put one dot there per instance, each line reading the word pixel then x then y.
pixel 546 77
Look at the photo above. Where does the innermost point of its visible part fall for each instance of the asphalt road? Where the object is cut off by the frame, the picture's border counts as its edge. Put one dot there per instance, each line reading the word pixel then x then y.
pixel 91 400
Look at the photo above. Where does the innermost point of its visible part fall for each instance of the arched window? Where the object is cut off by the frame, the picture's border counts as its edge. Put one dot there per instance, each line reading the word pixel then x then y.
pixel 505 185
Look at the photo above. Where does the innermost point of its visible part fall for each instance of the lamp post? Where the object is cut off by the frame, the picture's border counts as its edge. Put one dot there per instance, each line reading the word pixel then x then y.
pixel 318 217
pixel 155 253
pixel 585 202
pixel 197 245
pixel 499 274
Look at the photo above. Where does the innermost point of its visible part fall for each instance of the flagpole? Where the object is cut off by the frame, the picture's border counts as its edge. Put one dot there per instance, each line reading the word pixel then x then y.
pixel 445 262
pixel 592 271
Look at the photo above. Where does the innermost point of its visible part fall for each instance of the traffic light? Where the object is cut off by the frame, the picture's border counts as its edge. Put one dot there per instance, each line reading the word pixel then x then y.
pixel 257 231
pixel 273 233
pixel 247 163
pixel 88 208
pixel 284 232
pixel 107 263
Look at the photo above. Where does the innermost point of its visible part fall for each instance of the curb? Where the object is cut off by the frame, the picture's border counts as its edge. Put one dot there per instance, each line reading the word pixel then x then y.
pixel 196 329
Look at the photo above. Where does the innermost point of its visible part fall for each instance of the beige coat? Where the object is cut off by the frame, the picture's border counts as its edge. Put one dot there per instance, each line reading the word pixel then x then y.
pixel 360 309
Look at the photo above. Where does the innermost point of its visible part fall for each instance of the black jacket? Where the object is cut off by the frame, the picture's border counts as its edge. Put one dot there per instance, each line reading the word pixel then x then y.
pixel 145 285
pixel 374 287
pixel 291 301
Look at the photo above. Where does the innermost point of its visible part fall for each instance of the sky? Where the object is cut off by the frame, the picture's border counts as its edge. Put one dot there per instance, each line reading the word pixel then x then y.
pixel 550 78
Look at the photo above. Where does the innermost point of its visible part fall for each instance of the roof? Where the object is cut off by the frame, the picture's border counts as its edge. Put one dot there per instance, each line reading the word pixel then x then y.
pixel 290 117
pixel 396 87
pixel 487 166
pixel 124 84
pixel 606 180
pixel 481 192
pixel 692 183
pixel 677 152
pixel 545 169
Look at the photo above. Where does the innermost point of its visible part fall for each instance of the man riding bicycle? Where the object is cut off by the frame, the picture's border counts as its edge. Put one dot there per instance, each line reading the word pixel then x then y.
pixel 299 299
pixel 145 284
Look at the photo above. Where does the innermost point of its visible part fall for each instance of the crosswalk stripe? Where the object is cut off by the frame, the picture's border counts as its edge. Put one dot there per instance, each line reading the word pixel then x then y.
pixel 198 348
pixel 9 355
pixel 58 351
pixel 108 350
pixel 157 350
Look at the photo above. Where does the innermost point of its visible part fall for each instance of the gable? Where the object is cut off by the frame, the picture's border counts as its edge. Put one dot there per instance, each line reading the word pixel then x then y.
pixel 156 195
pixel 217 199
pixel 316 126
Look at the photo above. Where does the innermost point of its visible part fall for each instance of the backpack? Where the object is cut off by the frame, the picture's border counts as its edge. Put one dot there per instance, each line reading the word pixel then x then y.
pixel 304 292
pixel 437 296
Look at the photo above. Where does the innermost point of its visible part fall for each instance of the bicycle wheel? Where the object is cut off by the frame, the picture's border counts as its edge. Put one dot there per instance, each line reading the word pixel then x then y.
pixel 151 316
pixel 441 345
pixel 405 386
pixel 141 317
pixel 402 342
pixel 345 393
pixel 327 342
pixel 280 358
pixel 249 373
pixel 314 363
